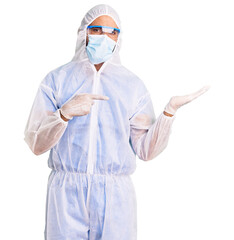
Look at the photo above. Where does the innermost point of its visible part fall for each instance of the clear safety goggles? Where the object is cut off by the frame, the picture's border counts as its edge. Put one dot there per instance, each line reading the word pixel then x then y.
pixel 99 30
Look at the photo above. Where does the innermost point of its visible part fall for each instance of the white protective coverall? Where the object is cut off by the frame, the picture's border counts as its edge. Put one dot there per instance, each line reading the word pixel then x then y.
pixel 90 194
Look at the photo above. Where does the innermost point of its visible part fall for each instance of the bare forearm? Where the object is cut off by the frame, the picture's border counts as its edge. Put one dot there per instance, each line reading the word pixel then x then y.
pixel 167 114
pixel 65 119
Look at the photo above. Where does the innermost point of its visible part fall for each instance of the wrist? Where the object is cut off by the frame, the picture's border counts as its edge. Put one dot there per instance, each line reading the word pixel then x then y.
pixel 169 109
pixel 167 114
pixel 65 119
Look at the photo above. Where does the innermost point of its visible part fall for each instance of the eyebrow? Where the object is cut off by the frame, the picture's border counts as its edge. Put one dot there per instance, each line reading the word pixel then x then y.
pixel 117 29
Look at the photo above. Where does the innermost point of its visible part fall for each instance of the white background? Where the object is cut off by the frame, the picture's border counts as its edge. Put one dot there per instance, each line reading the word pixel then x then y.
pixel 175 47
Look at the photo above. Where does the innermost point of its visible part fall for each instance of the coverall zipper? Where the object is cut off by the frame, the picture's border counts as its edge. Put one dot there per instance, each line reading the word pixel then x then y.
pixel 92 137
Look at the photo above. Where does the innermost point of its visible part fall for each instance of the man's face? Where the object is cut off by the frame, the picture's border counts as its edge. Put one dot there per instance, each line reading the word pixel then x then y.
pixel 103 20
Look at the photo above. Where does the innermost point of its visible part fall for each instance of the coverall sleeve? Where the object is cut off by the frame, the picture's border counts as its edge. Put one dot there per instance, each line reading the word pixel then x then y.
pixel 149 136
pixel 44 127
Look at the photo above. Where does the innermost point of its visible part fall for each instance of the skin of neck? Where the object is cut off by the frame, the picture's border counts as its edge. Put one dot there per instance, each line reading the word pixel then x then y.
pixel 98 66
pixel 103 20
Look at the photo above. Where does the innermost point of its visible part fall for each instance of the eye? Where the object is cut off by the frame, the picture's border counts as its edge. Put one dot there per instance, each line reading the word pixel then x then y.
pixel 115 32
pixel 96 29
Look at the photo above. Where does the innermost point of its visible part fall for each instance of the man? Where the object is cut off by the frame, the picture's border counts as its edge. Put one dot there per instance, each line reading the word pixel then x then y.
pixel 93 144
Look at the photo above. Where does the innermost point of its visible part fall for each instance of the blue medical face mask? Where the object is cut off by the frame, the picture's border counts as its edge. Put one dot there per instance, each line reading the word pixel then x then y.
pixel 99 48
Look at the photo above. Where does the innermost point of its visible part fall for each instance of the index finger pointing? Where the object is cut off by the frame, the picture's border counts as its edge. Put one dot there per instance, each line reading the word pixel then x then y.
pixel 99 97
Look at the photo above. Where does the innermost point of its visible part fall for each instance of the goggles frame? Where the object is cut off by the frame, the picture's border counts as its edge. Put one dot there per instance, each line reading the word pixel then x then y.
pixel 103 27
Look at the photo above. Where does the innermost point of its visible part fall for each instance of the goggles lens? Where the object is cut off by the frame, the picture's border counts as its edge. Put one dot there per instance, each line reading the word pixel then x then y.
pixel 98 30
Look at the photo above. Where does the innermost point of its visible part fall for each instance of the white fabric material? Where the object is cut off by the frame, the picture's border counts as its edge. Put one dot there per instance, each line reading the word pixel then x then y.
pixel 44 126
pixel 90 192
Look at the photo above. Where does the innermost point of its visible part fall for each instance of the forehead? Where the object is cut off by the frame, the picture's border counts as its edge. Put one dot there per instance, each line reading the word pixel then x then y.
pixel 104 20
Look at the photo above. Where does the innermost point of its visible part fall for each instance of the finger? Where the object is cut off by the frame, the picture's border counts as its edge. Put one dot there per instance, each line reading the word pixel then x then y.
pixel 204 89
pixel 99 97
pixel 198 93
